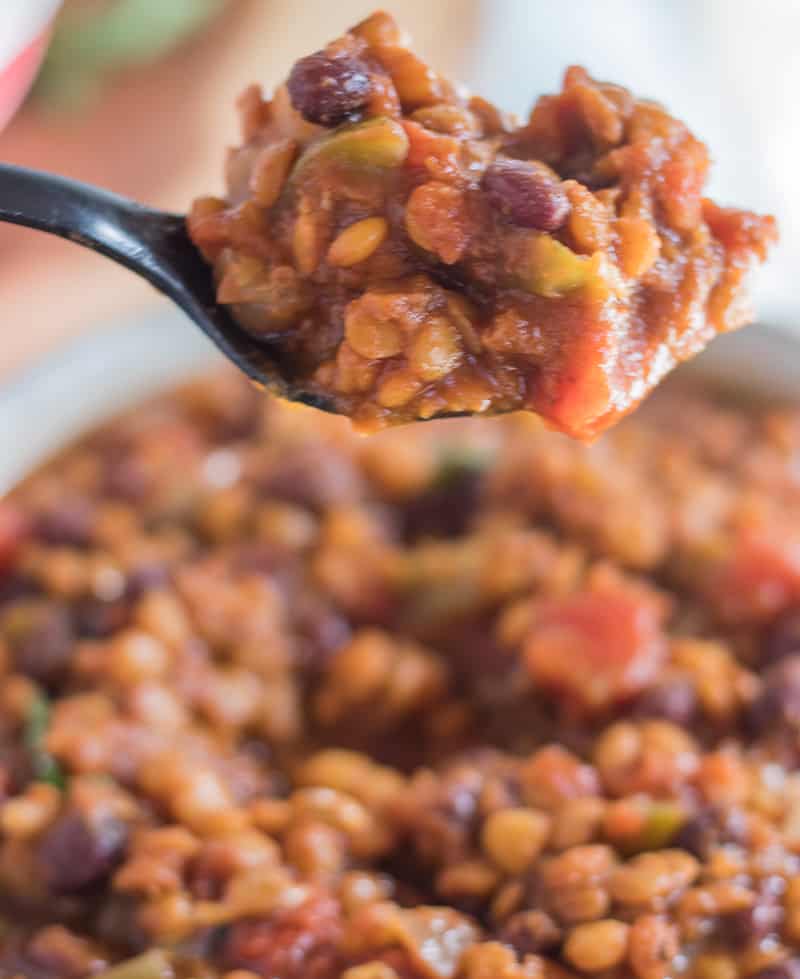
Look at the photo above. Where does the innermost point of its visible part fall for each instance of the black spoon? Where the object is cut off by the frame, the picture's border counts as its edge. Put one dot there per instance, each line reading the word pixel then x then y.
pixel 153 244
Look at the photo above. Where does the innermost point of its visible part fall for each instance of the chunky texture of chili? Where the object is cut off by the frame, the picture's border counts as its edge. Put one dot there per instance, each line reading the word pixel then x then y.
pixel 467 701
pixel 409 251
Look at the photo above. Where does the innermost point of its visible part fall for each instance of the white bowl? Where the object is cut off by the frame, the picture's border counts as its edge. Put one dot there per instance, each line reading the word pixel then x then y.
pixel 24 33
pixel 104 372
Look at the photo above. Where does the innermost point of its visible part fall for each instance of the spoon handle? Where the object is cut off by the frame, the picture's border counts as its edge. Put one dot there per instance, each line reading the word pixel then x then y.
pixel 127 232
pixel 153 244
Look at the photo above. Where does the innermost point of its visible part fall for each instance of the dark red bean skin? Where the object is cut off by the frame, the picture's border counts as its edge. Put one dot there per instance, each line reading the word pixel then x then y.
pixel 445 509
pixel 790 969
pixel 751 925
pixel 783 638
pixel 96 619
pixel 146 577
pixel 67 524
pixel 14 532
pixel 697 836
pixel 321 631
pixel 675 701
pixel 76 852
pixel 311 479
pixel 527 194
pixel 778 705
pixel 530 932
pixel 329 91
pixel 44 649
pixel 708 829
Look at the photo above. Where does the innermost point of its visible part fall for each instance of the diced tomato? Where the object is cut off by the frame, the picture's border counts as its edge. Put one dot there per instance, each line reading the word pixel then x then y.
pixel 758 580
pixel 743 233
pixel 682 180
pixel 596 648
pixel 425 145
pixel 296 944
pixel 14 530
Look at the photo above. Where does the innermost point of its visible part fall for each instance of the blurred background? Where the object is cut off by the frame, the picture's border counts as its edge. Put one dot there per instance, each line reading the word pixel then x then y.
pixel 137 95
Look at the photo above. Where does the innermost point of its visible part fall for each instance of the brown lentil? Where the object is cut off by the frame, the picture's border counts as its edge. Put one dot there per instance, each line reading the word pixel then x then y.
pixel 597 946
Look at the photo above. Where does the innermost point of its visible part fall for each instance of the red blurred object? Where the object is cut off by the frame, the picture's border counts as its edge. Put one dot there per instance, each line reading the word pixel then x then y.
pixel 16 78
pixel 14 529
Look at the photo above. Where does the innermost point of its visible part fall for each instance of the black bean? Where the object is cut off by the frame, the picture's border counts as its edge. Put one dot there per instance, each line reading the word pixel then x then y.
pixel 15 586
pixel 66 524
pixel 698 835
pixel 41 640
pixel 16 770
pixel 329 90
pixel 530 932
pixel 479 655
pixel 445 816
pixel 16 961
pixel 674 701
pixel 313 477
pixel 527 193
pixel 751 925
pixel 126 478
pixel 146 577
pixel 788 969
pixel 708 829
pixel 782 639
pixel 320 631
pixel 96 619
pixel 447 507
pixel 777 707
pixel 77 851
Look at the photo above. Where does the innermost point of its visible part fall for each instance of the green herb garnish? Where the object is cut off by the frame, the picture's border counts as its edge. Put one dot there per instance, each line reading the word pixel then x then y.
pixel 45 767
pixel 457 464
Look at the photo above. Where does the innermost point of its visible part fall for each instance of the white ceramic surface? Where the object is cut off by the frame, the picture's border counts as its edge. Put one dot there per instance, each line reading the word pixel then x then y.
pixel 24 35
pixel 105 372
pixel 20 22
pixel 90 380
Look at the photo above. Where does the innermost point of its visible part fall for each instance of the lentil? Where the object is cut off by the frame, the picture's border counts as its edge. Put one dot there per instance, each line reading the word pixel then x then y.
pixel 596 946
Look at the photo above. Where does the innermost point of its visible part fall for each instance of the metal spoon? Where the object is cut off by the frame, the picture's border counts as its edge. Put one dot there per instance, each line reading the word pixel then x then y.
pixel 153 244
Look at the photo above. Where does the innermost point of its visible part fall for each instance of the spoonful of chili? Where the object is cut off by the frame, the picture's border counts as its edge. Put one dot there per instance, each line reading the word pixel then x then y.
pixel 394 250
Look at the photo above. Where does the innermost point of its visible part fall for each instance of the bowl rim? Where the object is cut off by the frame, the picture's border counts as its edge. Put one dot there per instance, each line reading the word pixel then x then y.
pixel 77 385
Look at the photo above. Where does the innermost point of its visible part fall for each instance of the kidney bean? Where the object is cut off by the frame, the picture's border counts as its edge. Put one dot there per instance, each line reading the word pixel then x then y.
pixel 778 705
pixel 789 969
pixel 673 701
pixel 530 932
pixel 67 524
pixel 328 90
pixel 708 829
pixel 527 193
pixel 42 639
pixel 751 924
pixel 447 507
pixel 783 638
pixel 77 851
